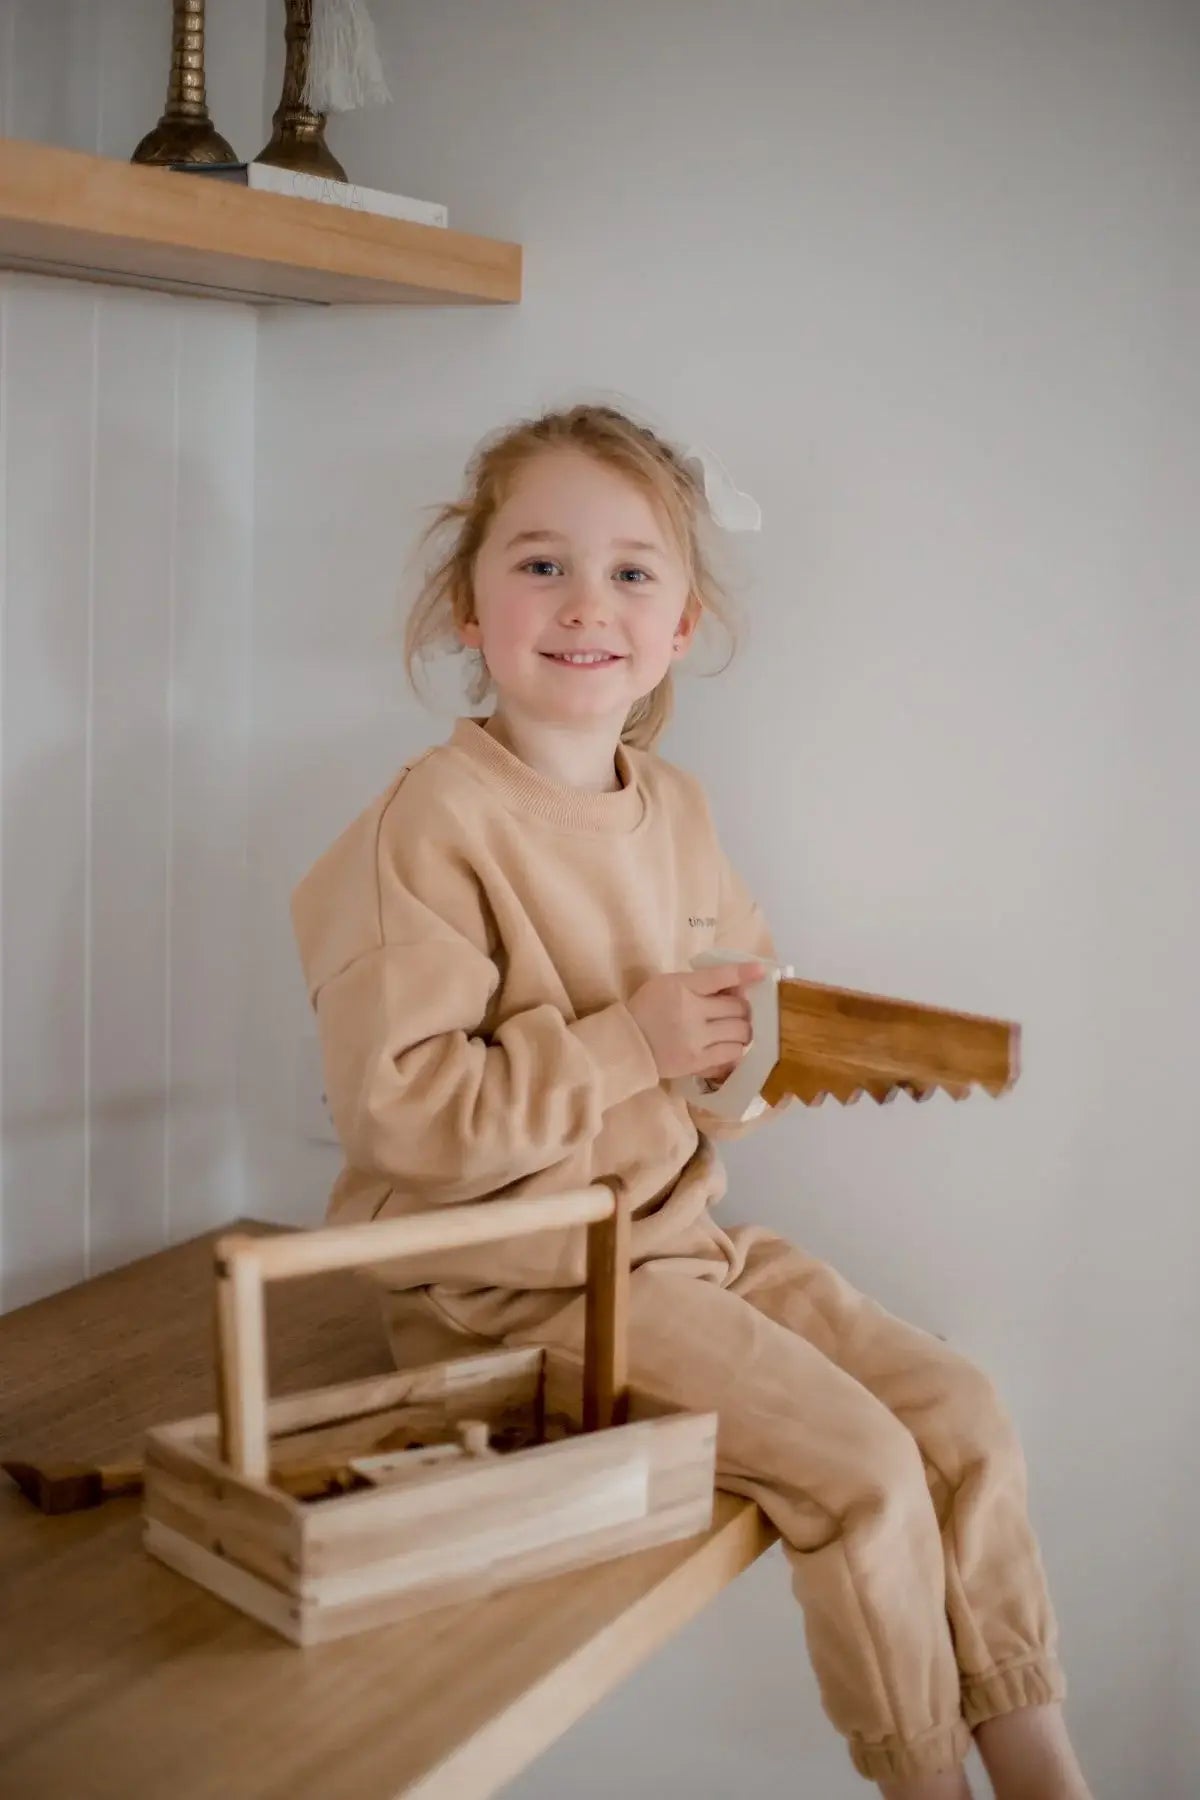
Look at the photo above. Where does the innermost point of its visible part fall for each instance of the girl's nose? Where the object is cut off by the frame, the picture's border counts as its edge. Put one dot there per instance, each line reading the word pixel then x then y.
pixel 586 603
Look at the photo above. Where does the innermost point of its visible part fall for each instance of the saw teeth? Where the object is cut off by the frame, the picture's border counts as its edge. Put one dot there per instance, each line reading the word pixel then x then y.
pixel 883 1093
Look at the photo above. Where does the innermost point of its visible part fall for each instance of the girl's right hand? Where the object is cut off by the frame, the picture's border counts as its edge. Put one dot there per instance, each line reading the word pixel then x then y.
pixel 697 1021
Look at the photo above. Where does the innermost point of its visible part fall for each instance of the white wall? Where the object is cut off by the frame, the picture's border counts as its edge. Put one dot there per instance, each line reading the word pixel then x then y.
pixel 126 487
pixel 925 276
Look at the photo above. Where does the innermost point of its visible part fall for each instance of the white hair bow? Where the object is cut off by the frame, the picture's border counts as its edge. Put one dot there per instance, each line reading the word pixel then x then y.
pixel 731 509
pixel 728 506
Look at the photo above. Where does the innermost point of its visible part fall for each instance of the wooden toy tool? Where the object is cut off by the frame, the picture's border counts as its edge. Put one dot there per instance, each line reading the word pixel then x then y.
pixel 815 1042
pixel 59 1487
pixel 73 1487
pixel 835 1042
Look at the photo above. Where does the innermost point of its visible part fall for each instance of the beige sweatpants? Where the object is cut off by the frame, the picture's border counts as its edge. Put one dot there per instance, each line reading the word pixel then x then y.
pixel 885 1460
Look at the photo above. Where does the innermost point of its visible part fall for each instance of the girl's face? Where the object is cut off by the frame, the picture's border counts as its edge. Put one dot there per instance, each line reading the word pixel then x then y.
pixel 580 594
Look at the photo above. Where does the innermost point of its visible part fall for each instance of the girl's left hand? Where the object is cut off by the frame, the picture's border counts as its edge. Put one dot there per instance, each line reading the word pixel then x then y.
pixel 717 1077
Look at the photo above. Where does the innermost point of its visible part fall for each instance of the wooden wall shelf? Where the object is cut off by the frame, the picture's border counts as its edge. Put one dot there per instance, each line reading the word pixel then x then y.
pixel 91 218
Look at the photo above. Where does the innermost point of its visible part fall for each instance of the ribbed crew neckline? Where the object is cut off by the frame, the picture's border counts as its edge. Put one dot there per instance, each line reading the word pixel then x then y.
pixel 525 790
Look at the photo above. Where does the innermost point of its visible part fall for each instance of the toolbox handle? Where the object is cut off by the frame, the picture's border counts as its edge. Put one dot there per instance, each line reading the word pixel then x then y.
pixel 244 1264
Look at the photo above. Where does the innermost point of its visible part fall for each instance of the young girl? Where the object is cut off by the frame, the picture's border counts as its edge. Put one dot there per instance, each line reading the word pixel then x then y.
pixel 498 951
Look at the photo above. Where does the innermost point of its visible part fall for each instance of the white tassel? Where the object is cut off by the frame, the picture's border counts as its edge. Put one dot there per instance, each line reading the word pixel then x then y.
pixel 344 70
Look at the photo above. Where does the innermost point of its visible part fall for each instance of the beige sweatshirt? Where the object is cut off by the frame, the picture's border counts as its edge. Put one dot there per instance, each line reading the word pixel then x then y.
pixel 469 945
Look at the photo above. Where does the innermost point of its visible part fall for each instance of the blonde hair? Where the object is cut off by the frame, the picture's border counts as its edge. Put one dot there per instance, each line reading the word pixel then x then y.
pixel 446 600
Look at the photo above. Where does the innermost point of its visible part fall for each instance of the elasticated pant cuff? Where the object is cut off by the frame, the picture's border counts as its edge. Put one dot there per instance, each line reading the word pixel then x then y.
pixel 1038 1682
pixel 934 1753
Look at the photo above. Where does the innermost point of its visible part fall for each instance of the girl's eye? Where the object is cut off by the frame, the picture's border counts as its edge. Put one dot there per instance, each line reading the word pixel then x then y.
pixel 540 565
pixel 634 577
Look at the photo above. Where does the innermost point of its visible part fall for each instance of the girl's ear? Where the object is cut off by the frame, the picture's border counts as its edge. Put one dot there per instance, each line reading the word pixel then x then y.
pixel 685 631
pixel 469 635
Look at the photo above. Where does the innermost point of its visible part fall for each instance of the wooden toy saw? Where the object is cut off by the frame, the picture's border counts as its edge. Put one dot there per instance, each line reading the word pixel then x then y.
pixel 815 1042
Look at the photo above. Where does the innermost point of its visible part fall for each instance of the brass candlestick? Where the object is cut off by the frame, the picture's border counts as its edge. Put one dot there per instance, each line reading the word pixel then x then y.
pixel 298 140
pixel 185 133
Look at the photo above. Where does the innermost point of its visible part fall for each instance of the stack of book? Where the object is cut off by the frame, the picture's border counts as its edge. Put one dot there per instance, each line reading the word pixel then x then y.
pixel 269 179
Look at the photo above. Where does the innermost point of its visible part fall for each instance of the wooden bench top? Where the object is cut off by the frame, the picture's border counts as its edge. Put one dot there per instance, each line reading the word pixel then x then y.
pixel 119 1678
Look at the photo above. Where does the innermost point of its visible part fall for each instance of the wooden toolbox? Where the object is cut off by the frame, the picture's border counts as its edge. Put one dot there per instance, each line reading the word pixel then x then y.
pixel 440 1483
